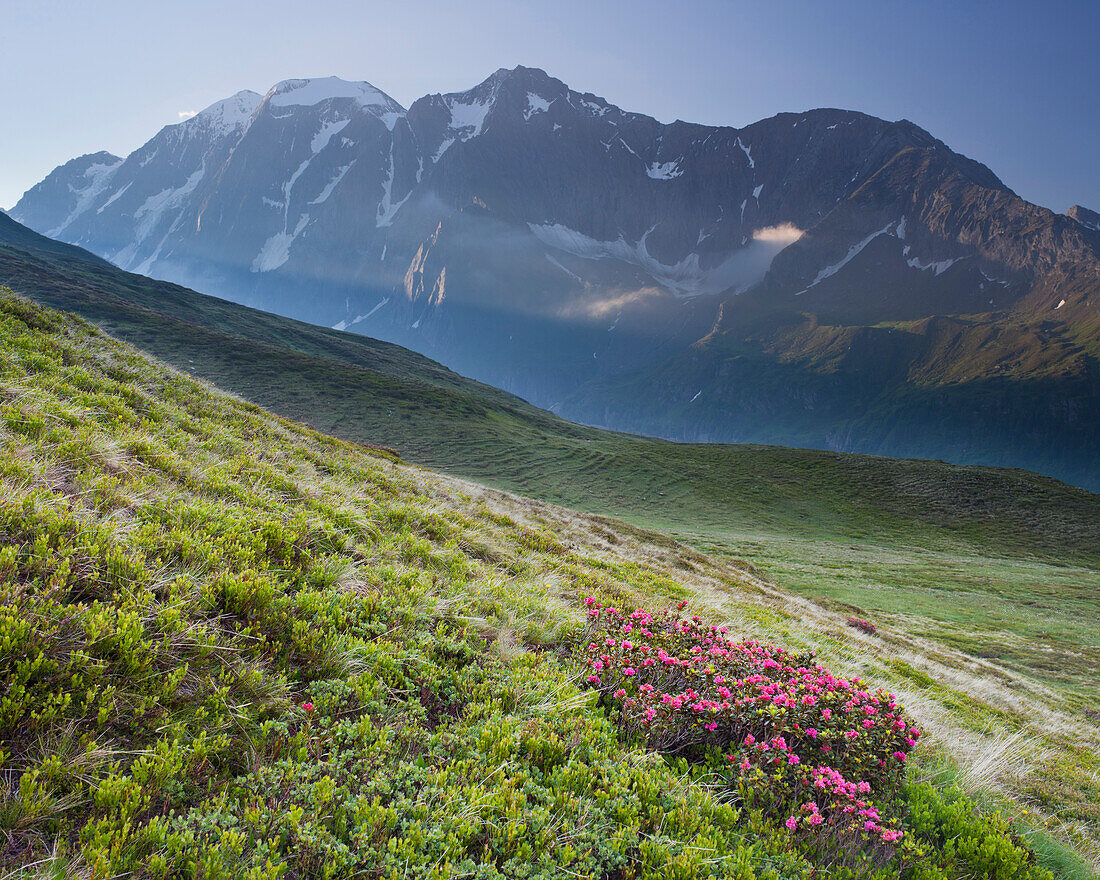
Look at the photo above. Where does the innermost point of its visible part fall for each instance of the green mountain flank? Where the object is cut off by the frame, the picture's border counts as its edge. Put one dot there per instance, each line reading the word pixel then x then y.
pixel 232 646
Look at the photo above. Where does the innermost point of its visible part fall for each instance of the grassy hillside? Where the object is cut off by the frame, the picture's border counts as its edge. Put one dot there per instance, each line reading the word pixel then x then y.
pixel 368 391
pixel 233 647
pixel 999 562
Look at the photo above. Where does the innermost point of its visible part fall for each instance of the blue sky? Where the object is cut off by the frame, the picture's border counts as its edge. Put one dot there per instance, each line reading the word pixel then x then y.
pixel 1013 84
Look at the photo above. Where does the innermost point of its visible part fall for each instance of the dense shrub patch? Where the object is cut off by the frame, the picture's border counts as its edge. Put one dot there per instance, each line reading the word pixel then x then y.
pixel 824 755
pixel 862 625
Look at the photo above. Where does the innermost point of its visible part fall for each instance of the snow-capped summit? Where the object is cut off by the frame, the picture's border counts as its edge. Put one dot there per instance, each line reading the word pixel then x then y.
pixel 310 92
pixel 330 91
pixel 228 115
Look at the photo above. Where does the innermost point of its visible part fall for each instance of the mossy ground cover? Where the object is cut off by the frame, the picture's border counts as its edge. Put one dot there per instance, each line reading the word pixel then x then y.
pixel 233 647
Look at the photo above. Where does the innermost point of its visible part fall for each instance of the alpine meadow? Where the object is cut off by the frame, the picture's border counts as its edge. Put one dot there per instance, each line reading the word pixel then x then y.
pixel 500 483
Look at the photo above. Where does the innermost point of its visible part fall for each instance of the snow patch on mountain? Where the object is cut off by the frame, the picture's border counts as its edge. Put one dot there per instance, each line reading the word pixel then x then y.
pixel 686 278
pixel 592 107
pixel 853 252
pixel 154 207
pixel 276 249
pixel 149 217
pixel 343 325
pixel 330 186
pixel 113 198
pixel 535 104
pixel 664 170
pixel 387 208
pixel 98 177
pixel 468 119
pixel 748 153
pixel 443 147
pixel 937 267
pixel 327 132
pixel 225 117
pixel 572 275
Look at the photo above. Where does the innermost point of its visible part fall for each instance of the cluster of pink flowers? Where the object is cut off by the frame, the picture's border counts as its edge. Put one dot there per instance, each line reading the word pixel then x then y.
pixel 684 686
pixel 844 808
pixel 863 625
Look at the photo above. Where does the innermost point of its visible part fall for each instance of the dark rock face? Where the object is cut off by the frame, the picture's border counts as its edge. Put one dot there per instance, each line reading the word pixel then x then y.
pixel 823 279
pixel 1089 219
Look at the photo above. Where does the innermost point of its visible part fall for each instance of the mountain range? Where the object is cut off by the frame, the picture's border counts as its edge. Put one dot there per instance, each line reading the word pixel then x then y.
pixel 823 279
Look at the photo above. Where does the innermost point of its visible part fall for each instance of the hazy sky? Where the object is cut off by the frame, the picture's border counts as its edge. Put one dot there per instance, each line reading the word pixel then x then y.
pixel 1013 84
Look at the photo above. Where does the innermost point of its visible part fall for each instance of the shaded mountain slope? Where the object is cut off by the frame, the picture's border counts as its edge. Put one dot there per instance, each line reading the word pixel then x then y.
pixel 373 392
pixel 824 278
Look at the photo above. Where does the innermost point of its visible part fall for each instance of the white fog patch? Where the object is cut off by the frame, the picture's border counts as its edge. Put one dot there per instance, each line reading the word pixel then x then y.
pixel 187 114
pixel 783 234
pixel 741 270
pixel 598 309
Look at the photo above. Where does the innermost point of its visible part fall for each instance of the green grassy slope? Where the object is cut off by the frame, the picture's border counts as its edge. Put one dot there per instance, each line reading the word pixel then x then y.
pixel 231 647
pixel 372 392
pixel 1001 562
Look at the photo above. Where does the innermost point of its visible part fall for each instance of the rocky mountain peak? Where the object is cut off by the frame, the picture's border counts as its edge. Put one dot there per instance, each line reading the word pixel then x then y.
pixel 539 238
pixel 1088 219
